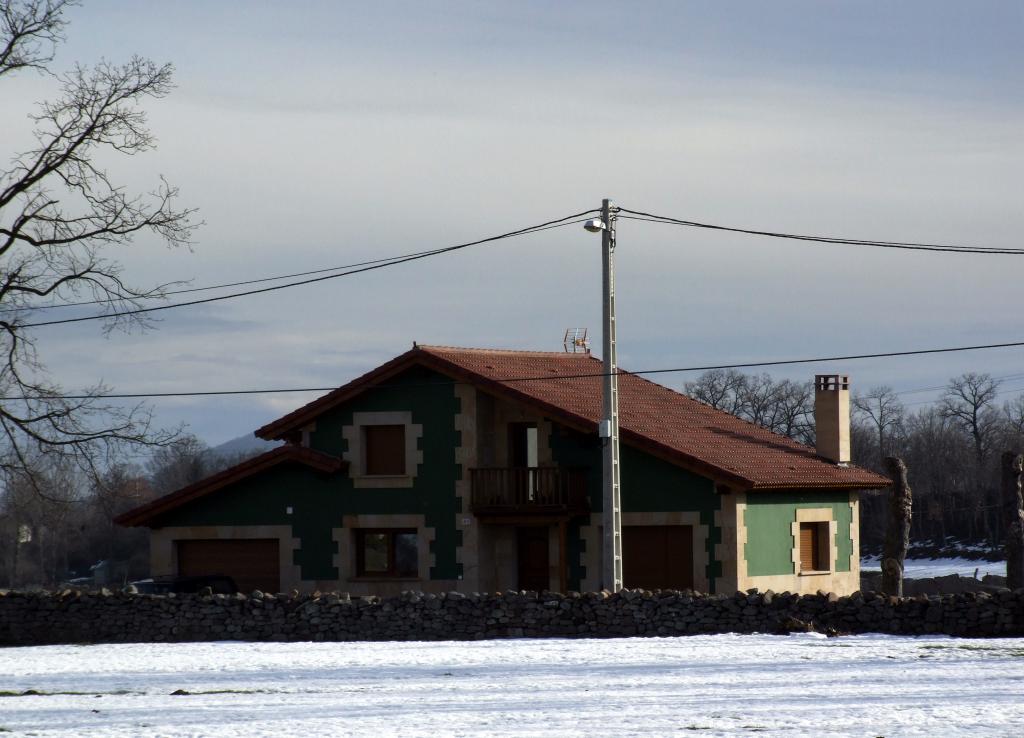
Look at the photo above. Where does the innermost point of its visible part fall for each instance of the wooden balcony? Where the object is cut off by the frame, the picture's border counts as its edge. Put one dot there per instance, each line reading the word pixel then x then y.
pixel 528 491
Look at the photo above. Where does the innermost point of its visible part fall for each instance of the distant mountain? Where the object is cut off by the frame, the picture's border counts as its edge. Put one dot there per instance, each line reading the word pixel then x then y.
pixel 248 444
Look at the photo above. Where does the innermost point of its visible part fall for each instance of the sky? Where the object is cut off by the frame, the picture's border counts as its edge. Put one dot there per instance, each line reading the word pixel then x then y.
pixel 315 134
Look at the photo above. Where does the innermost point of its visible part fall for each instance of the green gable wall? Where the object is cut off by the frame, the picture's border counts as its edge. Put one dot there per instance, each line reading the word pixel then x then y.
pixel 652 485
pixel 648 485
pixel 430 397
pixel 321 502
pixel 263 499
pixel 769 518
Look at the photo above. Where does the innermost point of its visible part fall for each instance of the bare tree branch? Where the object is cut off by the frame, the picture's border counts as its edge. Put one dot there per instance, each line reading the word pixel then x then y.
pixel 29 33
pixel 59 213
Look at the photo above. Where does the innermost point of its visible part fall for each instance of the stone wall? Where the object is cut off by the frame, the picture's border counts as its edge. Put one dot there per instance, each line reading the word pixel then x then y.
pixel 36 618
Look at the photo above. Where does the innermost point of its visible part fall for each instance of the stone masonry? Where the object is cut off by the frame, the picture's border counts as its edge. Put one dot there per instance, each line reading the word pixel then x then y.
pixel 37 618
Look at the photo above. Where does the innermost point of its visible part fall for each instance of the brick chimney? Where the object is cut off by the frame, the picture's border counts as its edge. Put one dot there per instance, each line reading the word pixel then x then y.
pixel 832 417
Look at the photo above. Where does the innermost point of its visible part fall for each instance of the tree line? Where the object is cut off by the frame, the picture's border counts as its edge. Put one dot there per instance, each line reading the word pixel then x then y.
pixel 60 525
pixel 951 446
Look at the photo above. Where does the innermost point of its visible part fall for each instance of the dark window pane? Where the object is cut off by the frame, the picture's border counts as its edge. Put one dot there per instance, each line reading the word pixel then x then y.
pixel 406 555
pixel 375 552
pixel 385 449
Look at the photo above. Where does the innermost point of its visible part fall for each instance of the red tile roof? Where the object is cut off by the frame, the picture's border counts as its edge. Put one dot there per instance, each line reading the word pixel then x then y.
pixel 568 388
pixel 146 514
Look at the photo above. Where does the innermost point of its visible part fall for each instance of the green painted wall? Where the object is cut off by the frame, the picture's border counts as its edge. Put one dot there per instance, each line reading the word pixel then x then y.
pixel 433 492
pixel 263 500
pixel 648 485
pixel 769 517
pixel 320 503
pixel 652 485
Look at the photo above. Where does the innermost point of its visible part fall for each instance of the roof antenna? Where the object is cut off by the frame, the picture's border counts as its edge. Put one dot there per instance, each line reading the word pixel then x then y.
pixel 575 341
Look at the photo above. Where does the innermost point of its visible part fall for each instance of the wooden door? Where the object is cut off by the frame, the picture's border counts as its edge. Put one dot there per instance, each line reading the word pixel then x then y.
pixel 533 558
pixel 252 563
pixel 657 556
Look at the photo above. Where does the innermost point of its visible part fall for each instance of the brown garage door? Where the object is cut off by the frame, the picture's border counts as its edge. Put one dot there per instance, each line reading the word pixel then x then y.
pixel 657 556
pixel 253 564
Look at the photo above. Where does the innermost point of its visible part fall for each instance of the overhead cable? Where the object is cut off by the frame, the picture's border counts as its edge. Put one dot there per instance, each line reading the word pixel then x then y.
pixel 545 377
pixel 220 286
pixel 652 218
pixel 384 263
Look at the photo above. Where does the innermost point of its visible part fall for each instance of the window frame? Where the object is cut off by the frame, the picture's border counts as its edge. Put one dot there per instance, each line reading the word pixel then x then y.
pixel 355 454
pixel 390 534
pixel 821 549
pixel 367 433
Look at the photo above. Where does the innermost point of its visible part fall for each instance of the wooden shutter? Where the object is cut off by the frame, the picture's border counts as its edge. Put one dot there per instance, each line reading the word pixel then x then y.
pixel 385 449
pixel 810 560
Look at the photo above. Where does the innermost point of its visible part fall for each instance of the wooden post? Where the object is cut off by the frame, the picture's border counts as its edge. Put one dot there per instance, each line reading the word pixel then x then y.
pixel 1013 517
pixel 897 530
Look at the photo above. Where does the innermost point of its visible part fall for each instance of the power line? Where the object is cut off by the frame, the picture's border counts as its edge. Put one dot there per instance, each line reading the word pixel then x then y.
pixel 638 215
pixel 222 286
pixel 652 218
pixel 936 388
pixel 994 394
pixel 392 262
pixel 546 377
pixel 944 386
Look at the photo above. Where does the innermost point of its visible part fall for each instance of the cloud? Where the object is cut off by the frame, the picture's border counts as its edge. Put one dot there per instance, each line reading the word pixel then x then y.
pixel 310 140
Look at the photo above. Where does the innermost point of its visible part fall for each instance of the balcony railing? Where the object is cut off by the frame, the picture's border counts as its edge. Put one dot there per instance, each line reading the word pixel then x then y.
pixel 528 491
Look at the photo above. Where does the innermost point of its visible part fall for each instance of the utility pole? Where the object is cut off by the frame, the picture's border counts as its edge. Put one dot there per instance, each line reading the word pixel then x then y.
pixel 608 429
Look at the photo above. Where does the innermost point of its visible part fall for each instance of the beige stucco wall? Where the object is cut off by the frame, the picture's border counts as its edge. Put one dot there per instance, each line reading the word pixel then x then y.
pixel 498 565
pixel 506 413
pixel 729 550
pixel 468 554
pixel 488 554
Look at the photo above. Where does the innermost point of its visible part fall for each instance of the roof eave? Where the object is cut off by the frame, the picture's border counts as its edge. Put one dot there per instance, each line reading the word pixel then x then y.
pixel 854 485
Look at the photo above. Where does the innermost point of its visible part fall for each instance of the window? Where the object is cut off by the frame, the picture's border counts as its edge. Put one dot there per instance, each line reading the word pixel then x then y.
pixel 814 547
pixel 387 553
pixel 385 450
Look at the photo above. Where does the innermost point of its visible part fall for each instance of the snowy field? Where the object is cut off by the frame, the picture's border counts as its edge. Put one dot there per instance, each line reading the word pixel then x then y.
pixel 722 685
pixel 924 568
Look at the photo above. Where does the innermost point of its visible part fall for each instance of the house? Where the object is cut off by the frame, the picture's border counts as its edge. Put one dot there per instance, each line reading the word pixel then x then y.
pixel 480 470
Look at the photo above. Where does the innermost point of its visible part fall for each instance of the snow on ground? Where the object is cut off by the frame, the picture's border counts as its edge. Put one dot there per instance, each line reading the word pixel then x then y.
pixel 723 685
pixel 924 568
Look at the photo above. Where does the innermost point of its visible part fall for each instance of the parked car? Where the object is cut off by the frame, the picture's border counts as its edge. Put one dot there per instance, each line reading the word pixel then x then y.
pixel 219 583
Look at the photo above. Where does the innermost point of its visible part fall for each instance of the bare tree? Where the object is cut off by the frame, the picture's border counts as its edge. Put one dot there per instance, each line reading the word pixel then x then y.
pixel 722 389
pixel 759 400
pixel 881 407
pixel 968 403
pixel 59 212
pixel 35 513
pixel 794 411
pixel 180 464
pixel 785 407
